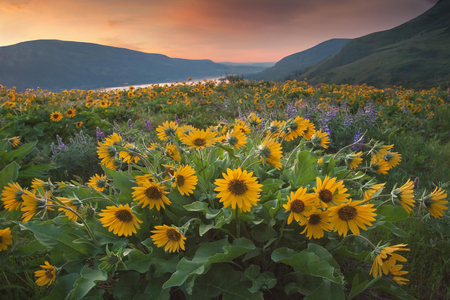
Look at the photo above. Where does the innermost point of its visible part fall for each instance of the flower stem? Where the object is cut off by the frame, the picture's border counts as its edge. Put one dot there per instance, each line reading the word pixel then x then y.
pixel 238 224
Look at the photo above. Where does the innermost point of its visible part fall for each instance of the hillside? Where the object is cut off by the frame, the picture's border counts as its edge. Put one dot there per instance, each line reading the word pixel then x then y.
pixel 415 54
pixel 298 62
pixel 57 65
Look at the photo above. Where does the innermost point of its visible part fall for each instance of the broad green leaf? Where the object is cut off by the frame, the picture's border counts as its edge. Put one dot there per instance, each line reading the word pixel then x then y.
pixel 9 174
pixel 87 279
pixel 130 287
pixel 392 228
pixel 102 234
pixel 207 254
pixel 393 289
pixel 358 288
pixel 63 287
pixel 223 280
pixel 328 290
pixel 61 238
pixel 35 171
pixel 304 169
pixel 29 249
pixel 154 287
pixel 202 207
pixel 272 185
pixel 391 213
pixel 360 253
pixel 122 181
pixel 323 254
pixel 20 152
pixel 309 263
pixel 264 281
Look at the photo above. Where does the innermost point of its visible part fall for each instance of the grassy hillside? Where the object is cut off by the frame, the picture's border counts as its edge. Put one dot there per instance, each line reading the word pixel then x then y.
pixel 298 62
pixel 415 54
pixel 56 65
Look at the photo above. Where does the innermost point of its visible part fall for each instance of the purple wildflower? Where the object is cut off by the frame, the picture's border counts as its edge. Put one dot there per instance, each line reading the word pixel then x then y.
pixel 129 123
pixel 148 125
pixel 356 138
pixel 100 135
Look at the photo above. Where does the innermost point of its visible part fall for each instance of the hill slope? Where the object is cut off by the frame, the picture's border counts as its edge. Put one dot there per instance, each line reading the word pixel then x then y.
pixel 298 62
pixel 56 65
pixel 415 54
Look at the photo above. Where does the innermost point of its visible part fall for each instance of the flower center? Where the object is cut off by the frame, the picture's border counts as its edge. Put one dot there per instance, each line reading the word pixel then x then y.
pixel 101 183
pixel 1 239
pixel 49 274
pixel 232 140
pixel 124 215
pixel 180 180
pixel 199 142
pixel 153 193
pixel 293 126
pixel 112 260
pixel 112 151
pixel 347 213
pixel 169 132
pixel 388 256
pixel 237 187
pixel 297 206
pixel 325 195
pixel 314 219
pixel 173 235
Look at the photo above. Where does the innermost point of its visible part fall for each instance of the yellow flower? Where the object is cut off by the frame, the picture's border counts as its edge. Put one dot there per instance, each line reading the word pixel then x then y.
pixel 107 151
pixel 380 151
pixel 151 194
pixel 131 155
pixel 330 192
pixel 242 126
pixel 32 205
pixel 316 223
pixel 140 179
pixel 236 138
pixel 97 182
pixel 185 180
pixel 168 237
pixel 172 151
pixel 406 195
pixel 299 203
pixel 321 138
pixel 238 189
pixel 392 159
pixel 56 116
pixel 79 124
pixel 370 191
pixel 354 159
pixel 310 130
pixel 254 120
pixel 184 131
pixel 351 215
pixel 69 203
pixel 5 238
pixel 14 141
pixel 46 186
pixel 71 112
pixel 270 152
pixel 46 276
pixel 380 166
pixel 295 128
pixel 386 258
pixel 396 273
pixel 199 139
pixel 435 202
pixel 120 220
pixel 167 130
pixel 12 196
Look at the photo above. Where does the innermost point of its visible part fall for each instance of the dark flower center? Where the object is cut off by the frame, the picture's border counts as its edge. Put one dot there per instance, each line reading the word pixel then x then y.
pixel 1 239
pixel 388 256
pixel 297 206
pixel 237 187
pixel 173 235
pixel 153 193
pixel 347 213
pixel 314 219
pixel 49 274
pixel 170 171
pixel 325 195
pixel 180 180
pixel 124 215
pixel 199 142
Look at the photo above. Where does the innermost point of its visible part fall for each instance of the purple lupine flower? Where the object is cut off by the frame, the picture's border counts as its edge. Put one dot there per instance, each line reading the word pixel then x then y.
pixel 177 121
pixel 129 123
pixel 291 111
pixel 100 135
pixel 371 114
pixel 348 120
pixel 62 147
pixel 223 120
pixel 241 114
pixel 358 135
pixel 148 125
pixel 130 140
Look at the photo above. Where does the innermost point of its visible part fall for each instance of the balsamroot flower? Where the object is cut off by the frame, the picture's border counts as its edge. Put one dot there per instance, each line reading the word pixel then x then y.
pixel 351 215
pixel 169 238
pixel 120 220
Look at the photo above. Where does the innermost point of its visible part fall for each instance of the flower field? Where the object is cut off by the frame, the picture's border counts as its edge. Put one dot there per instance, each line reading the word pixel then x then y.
pixel 225 190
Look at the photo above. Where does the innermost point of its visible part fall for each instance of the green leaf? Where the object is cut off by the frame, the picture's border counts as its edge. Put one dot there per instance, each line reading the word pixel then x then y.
pixel 309 263
pixel 87 279
pixel 392 228
pixel 20 152
pixel 63 287
pixel 122 181
pixel 222 279
pixel 392 289
pixel 391 213
pixel 35 171
pixel 304 169
pixel 328 290
pixel 9 174
pixel 61 238
pixel 271 185
pixel 358 288
pixel 207 254
pixel 130 286
pixel 202 207
pixel 357 252
pixel 29 249
pixel 154 288
pixel 265 280
pixel 323 254
pixel 102 234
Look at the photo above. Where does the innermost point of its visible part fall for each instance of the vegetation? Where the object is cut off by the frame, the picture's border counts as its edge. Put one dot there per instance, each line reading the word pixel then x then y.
pixel 164 191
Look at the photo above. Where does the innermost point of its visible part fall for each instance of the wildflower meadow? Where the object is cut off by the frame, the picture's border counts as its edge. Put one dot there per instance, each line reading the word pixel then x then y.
pixel 225 190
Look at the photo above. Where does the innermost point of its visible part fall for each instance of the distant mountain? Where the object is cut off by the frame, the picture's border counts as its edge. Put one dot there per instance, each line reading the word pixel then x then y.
pixel 415 54
pixel 57 65
pixel 298 62
pixel 262 65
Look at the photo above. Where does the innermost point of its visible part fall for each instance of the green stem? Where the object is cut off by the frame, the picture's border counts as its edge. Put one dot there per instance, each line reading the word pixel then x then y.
pixel 238 224
pixel 373 198
pixel 247 158
pixel 100 198
pixel 352 235
pixel 292 152
pixel 204 178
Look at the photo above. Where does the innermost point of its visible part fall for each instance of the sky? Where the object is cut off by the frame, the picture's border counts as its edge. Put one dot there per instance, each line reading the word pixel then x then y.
pixel 220 30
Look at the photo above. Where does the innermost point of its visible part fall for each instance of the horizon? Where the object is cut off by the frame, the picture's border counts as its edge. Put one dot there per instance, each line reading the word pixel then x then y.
pixel 253 31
